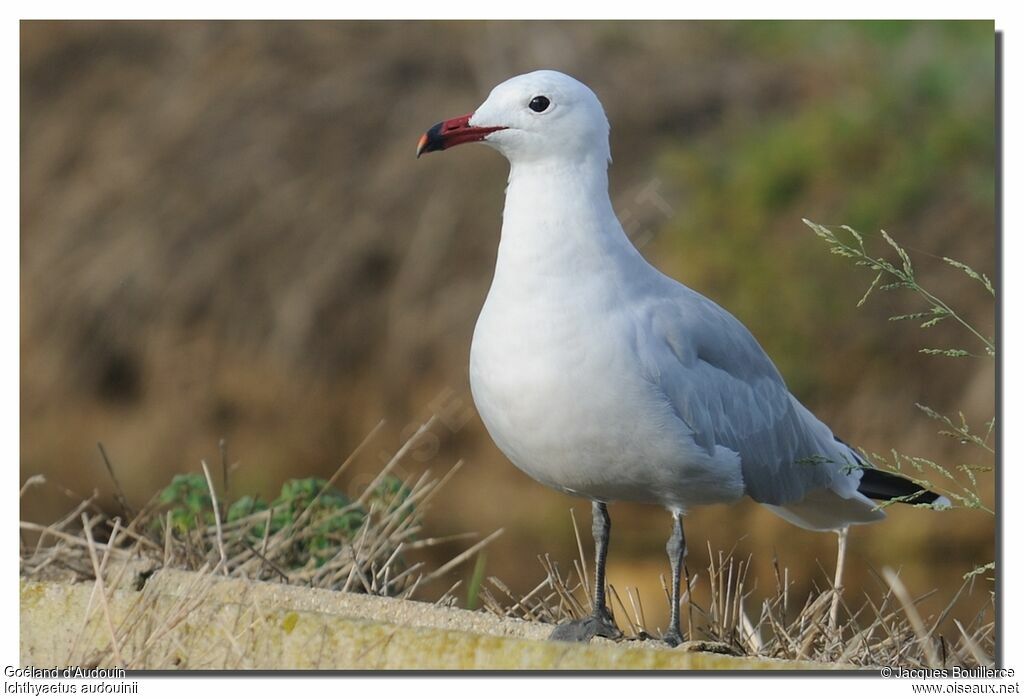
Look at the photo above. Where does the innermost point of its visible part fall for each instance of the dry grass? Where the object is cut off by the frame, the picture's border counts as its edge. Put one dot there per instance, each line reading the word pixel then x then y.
pixel 720 604
pixel 884 629
pixel 87 544
pixel 311 548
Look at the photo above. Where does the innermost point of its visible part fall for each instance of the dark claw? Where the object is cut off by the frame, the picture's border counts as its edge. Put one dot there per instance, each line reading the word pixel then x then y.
pixel 582 630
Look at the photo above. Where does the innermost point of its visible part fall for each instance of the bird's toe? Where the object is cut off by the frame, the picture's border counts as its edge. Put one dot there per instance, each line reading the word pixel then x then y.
pixel 582 630
pixel 672 638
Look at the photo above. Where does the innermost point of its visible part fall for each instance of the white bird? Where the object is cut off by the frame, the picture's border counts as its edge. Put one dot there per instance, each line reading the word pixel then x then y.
pixel 603 378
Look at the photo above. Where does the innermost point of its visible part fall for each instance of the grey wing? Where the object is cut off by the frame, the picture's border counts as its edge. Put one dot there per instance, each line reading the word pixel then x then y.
pixel 725 388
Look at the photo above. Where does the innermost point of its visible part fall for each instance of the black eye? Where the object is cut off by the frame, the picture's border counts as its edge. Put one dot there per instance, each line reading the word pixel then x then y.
pixel 539 103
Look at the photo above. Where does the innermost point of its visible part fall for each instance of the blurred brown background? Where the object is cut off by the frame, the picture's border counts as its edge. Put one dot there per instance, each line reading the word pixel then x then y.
pixel 225 234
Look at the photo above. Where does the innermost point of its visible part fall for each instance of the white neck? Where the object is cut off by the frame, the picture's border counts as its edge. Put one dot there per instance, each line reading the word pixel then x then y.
pixel 558 216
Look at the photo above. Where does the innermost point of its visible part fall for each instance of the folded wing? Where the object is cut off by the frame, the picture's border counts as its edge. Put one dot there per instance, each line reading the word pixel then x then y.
pixel 724 387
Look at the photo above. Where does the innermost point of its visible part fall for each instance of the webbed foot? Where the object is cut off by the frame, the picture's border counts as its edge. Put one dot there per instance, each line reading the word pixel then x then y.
pixel 582 630
pixel 673 638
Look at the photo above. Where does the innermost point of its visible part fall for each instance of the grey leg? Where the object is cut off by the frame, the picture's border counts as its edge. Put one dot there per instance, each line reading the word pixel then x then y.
pixel 600 622
pixel 676 549
pixel 837 581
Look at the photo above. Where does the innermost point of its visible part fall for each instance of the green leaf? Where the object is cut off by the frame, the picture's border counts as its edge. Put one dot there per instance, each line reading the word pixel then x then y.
pixel 245 506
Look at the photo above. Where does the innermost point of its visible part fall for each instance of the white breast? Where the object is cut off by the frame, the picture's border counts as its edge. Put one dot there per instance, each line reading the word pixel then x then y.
pixel 556 365
pixel 556 382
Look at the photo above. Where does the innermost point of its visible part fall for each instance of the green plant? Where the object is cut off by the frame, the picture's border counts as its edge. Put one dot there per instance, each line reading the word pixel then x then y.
pixel 187 501
pixel 901 275
pixel 310 534
pixel 960 482
pixel 331 519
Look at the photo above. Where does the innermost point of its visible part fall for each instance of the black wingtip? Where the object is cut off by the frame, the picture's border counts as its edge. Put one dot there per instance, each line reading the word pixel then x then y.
pixel 883 485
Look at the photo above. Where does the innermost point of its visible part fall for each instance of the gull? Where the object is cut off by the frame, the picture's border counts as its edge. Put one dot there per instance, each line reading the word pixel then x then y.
pixel 605 379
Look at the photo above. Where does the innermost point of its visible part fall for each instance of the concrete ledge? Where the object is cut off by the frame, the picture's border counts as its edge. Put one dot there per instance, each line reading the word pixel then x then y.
pixel 204 622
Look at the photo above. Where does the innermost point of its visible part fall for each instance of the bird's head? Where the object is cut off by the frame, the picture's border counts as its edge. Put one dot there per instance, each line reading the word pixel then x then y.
pixel 531 117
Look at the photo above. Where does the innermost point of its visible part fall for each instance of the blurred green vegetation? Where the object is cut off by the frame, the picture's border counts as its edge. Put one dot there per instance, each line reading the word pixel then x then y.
pixel 895 119
pixel 333 517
